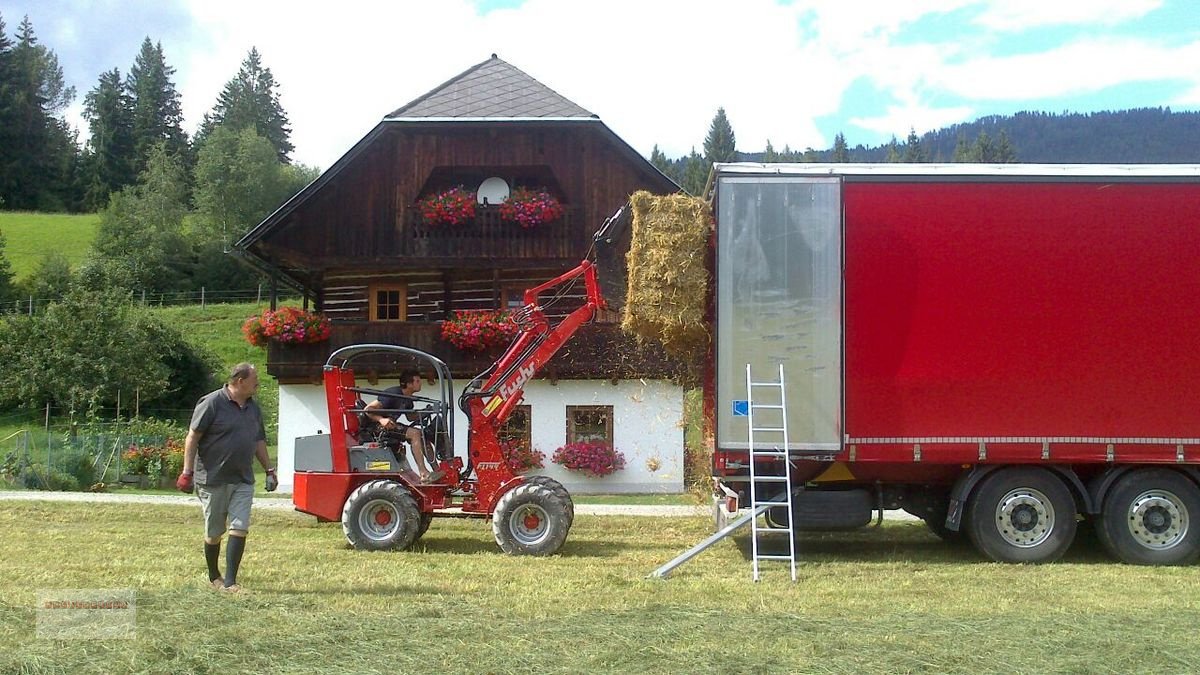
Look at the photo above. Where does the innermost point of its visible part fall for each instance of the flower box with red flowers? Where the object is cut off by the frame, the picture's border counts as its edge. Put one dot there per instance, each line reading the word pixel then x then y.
pixel 594 458
pixel 286 325
pixel 531 207
pixel 455 206
pixel 520 457
pixel 478 330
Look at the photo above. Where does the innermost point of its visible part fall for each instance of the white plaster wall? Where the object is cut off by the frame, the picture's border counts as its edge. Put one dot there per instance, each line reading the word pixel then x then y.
pixel 647 429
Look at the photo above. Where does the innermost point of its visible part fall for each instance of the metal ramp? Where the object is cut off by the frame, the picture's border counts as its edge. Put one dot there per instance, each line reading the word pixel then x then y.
pixel 758 506
pixel 768 439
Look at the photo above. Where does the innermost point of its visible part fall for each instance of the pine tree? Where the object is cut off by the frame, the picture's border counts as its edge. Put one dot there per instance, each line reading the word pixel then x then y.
pixel 841 153
pixel 695 173
pixel 770 156
pixel 1005 153
pixel 157 114
pixel 8 135
pixel 720 145
pixel 893 151
pixel 660 162
pixel 250 100
pixel 40 148
pixel 962 149
pixel 109 163
pixel 914 153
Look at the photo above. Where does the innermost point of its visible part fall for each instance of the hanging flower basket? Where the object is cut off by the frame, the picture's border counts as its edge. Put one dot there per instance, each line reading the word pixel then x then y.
pixel 455 206
pixel 520 457
pixel 594 458
pixel 286 325
pixel 531 207
pixel 478 330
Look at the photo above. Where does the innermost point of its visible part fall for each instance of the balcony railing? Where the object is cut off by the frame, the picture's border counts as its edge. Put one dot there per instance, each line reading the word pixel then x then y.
pixel 487 236
pixel 598 351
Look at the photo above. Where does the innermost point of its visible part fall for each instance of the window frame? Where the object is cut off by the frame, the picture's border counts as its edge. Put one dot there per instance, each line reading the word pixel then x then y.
pixel 572 410
pixel 505 432
pixel 373 301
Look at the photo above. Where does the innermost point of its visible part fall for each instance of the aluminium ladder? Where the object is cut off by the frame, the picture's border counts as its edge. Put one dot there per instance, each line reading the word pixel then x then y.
pixel 774 434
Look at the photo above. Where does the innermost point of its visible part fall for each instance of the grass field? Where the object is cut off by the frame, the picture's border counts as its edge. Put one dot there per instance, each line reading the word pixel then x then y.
pixel 895 600
pixel 31 235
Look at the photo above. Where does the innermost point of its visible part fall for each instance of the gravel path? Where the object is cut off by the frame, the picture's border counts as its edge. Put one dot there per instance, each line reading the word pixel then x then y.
pixel 285 503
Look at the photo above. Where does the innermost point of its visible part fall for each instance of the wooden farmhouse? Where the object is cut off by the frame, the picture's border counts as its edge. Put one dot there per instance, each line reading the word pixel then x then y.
pixel 358 247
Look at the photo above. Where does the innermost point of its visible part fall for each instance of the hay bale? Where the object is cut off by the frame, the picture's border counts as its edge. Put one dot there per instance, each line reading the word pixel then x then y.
pixel 669 281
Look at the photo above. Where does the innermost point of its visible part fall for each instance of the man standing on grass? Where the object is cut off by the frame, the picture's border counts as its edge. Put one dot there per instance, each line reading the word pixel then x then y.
pixel 225 434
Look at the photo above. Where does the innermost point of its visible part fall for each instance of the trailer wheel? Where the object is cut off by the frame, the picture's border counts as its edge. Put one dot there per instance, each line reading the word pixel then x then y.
pixel 530 520
pixel 1022 515
pixel 380 515
pixel 1149 518
pixel 558 490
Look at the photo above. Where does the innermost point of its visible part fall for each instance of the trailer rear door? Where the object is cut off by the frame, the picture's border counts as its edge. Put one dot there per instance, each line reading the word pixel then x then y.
pixel 779 301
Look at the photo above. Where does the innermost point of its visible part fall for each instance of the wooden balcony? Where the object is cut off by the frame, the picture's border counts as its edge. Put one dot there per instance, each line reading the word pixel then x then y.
pixel 597 351
pixel 490 237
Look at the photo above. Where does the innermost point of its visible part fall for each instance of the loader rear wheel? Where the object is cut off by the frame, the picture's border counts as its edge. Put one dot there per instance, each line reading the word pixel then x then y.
pixel 559 491
pixel 1150 518
pixel 531 520
pixel 1022 515
pixel 380 515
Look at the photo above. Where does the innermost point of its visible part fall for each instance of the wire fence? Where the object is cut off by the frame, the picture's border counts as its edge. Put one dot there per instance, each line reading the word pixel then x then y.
pixel 202 297
pixel 81 456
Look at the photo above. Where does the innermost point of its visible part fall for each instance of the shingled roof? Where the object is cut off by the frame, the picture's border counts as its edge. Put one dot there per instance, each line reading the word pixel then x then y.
pixel 492 89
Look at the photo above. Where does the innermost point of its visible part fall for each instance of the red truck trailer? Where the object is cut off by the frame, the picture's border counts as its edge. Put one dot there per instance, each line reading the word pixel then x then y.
pixel 1008 352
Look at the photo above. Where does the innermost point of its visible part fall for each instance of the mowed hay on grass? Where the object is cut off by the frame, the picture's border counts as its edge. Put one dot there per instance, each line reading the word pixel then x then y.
pixel 669 281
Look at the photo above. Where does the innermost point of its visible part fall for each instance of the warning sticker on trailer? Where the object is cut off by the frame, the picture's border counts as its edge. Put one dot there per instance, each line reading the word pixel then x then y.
pixel 741 408
pixel 379 466
pixel 492 405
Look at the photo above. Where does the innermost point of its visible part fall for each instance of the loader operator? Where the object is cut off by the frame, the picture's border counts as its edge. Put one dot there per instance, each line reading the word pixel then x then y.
pixel 396 419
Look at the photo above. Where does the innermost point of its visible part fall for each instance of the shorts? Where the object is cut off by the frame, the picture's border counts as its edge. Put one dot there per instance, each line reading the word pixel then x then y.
pixel 222 503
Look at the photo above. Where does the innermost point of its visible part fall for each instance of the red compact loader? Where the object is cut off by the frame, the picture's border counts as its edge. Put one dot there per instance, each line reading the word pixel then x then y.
pixel 381 503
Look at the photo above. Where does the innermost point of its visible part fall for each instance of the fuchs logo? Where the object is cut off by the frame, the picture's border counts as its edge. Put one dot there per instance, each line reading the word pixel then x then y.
pixel 523 375
pixel 488 466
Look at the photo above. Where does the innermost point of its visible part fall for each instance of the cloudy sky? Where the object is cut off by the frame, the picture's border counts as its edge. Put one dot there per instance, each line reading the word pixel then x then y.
pixel 794 72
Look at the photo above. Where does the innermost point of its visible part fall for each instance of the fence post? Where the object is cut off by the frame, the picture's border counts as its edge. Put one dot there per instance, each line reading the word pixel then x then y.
pixel 31 305
pixel 48 464
pixel 143 297
pixel 201 296
pixel 258 300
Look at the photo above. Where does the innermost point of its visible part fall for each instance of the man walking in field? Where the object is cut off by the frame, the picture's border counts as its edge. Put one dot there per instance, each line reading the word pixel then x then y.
pixel 225 435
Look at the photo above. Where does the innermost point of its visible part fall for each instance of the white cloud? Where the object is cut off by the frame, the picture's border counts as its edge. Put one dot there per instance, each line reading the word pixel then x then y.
pixel 1016 15
pixel 1082 67
pixel 900 119
pixel 656 72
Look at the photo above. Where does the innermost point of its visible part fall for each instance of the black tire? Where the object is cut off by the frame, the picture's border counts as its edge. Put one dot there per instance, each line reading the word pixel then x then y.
pixel 558 490
pixel 530 520
pixel 1022 515
pixel 423 525
pixel 1150 518
pixel 380 515
pixel 937 525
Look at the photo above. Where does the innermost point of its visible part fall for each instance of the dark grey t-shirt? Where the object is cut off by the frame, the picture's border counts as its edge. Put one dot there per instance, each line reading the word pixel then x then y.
pixel 228 434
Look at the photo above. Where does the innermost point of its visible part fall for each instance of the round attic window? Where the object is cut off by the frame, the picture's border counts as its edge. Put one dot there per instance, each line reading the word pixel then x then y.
pixel 494 190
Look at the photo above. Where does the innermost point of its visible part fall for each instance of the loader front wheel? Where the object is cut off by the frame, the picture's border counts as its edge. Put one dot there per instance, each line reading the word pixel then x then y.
pixel 531 519
pixel 380 515
pixel 558 489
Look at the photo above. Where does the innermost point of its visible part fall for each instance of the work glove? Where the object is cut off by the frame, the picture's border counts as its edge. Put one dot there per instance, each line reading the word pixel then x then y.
pixel 272 481
pixel 184 482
